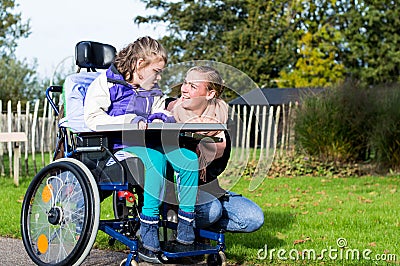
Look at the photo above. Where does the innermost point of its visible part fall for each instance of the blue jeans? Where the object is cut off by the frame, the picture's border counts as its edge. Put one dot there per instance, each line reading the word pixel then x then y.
pixel 183 161
pixel 237 214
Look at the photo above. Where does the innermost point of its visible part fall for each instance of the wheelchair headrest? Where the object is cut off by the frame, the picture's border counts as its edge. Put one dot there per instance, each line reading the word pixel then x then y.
pixel 94 55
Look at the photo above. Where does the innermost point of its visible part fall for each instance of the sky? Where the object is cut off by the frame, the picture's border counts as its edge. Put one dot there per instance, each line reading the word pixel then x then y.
pixel 57 25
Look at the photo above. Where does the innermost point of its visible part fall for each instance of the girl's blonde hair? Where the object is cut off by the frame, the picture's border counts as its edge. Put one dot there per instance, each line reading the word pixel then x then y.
pixel 144 47
pixel 213 78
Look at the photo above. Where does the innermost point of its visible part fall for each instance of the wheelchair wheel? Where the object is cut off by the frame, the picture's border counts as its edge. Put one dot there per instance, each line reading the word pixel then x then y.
pixel 217 259
pixel 133 263
pixel 60 214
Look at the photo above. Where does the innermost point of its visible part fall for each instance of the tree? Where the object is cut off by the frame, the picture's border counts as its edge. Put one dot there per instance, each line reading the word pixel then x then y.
pixel 318 62
pixel 264 42
pixel 11 27
pixel 248 35
pixel 317 65
pixel 18 79
pixel 195 24
pixel 371 51
pixel 306 43
pixel 257 37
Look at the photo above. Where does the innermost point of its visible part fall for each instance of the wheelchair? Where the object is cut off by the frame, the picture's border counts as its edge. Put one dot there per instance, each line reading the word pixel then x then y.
pixel 60 214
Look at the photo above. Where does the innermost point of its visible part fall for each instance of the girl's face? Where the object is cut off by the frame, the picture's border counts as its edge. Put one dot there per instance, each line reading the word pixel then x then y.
pixel 149 75
pixel 194 91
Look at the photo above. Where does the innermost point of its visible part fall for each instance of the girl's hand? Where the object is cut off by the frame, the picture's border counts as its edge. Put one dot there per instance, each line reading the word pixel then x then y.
pixel 160 117
pixel 142 125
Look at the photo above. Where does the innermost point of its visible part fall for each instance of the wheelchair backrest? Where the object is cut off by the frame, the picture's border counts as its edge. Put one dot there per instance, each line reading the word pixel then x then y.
pixel 92 56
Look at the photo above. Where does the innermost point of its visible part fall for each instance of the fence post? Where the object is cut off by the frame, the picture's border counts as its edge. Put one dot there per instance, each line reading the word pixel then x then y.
pixel 1 144
pixel 277 114
pixel 289 128
pixel 269 130
pixel 238 122
pixel 256 123
pixel 9 145
pixel 18 149
pixel 263 121
pixel 244 133
pixel 34 123
pixel 283 129
pixel 233 121
pixel 249 130
pixel 27 114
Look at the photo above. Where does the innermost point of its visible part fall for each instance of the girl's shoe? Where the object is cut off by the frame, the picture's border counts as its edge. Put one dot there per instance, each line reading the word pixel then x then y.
pixel 185 227
pixel 149 232
pixel 147 255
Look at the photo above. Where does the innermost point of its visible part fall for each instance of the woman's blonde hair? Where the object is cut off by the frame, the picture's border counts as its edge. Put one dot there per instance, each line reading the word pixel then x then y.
pixel 213 78
pixel 147 48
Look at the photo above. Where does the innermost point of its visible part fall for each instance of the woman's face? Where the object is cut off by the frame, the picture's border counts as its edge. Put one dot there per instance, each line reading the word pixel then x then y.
pixel 194 91
pixel 149 75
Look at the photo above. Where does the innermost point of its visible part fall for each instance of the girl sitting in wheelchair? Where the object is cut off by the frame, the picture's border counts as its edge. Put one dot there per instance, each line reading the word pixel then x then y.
pixel 128 93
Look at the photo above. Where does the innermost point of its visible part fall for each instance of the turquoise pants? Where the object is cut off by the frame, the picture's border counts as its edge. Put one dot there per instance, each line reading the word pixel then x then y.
pixel 185 164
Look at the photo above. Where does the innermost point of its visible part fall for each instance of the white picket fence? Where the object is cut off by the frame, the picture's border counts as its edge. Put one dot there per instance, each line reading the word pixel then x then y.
pixel 259 132
pixel 40 131
pixel 262 130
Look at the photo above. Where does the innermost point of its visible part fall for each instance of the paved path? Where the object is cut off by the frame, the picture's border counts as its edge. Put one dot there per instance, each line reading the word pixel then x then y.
pixel 12 253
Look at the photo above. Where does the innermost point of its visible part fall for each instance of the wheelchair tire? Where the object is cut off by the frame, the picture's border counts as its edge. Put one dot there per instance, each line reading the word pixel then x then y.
pixel 60 214
pixel 133 263
pixel 217 259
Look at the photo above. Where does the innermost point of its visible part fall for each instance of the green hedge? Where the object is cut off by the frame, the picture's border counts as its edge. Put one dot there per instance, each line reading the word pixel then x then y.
pixel 350 123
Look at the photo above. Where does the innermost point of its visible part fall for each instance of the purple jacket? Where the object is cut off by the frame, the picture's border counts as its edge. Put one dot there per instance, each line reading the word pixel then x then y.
pixel 126 99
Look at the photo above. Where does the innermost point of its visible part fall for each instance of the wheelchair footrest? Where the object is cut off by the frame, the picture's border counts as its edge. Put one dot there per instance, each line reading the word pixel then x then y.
pixel 173 249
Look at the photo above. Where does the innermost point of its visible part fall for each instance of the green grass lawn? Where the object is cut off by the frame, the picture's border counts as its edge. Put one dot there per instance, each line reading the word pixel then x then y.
pixel 304 216
pixel 308 213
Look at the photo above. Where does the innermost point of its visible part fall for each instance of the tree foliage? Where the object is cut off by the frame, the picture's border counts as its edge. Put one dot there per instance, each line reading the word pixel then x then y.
pixel 371 48
pixel 317 65
pixel 263 43
pixel 18 79
pixel 249 35
pixel 306 43
pixel 12 27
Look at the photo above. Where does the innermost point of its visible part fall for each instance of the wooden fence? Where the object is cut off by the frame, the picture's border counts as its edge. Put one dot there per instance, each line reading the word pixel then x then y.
pixel 40 131
pixel 263 130
pixel 258 132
